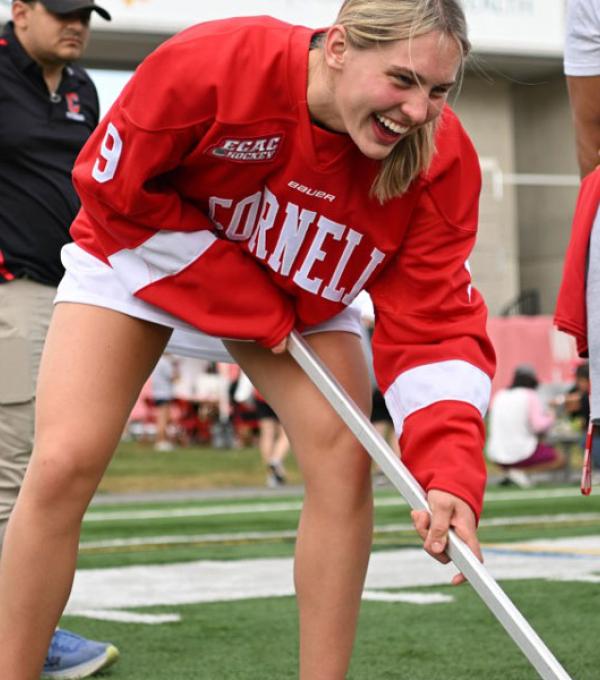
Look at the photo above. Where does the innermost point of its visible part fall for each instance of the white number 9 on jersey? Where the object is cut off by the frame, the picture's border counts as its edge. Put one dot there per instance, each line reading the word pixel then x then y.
pixel 110 152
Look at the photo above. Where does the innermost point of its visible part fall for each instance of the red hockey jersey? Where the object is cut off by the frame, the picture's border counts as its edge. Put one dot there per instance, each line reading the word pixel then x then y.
pixel 213 196
pixel 571 315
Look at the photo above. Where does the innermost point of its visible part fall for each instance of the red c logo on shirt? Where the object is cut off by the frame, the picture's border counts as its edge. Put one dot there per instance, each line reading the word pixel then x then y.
pixel 72 99
pixel 3 270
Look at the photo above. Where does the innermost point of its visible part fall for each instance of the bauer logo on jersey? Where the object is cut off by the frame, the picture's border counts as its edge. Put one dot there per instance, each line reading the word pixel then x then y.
pixel 247 149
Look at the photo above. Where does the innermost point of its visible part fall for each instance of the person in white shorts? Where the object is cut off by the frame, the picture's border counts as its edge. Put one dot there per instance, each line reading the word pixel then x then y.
pixel 251 179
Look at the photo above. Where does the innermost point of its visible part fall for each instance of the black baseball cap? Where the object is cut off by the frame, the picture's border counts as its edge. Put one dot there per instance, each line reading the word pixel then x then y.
pixel 68 6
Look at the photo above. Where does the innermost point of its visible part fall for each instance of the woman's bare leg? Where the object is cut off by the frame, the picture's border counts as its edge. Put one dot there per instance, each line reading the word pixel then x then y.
pixel 334 536
pixel 94 364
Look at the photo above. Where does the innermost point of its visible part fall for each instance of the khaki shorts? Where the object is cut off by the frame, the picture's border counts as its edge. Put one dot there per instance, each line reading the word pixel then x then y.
pixel 25 311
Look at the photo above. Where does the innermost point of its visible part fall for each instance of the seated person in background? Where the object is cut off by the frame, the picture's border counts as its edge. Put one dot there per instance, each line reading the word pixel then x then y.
pixel 517 422
pixel 577 399
pixel 576 403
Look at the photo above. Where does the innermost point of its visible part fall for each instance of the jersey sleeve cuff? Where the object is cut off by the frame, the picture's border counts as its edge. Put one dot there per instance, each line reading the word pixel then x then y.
pixel 442 446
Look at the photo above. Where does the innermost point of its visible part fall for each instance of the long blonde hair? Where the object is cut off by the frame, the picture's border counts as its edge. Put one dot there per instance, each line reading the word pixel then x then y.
pixel 369 23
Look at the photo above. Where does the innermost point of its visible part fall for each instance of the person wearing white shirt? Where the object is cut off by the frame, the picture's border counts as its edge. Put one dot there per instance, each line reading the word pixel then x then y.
pixel 582 69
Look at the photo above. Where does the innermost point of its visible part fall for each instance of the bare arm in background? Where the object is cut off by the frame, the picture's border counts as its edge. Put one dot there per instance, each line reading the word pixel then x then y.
pixel 584 93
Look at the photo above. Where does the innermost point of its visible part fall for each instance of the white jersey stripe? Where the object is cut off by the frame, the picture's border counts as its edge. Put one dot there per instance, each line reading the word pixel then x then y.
pixel 425 385
pixel 164 254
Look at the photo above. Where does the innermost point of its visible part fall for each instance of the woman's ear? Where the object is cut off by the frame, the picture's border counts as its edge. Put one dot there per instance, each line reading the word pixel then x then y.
pixel 335 46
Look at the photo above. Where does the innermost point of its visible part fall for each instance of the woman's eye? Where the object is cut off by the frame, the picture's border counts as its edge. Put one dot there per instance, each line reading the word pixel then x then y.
pixel 404 81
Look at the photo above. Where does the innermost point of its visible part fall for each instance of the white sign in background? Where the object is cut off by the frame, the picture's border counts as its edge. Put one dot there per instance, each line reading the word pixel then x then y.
pixel 527 27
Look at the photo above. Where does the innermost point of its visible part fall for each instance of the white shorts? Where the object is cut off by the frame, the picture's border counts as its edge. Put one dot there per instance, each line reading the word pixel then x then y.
pixel 90 281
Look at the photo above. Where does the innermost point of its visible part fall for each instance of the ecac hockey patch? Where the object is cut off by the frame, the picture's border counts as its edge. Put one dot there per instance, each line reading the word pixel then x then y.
pixel 247 149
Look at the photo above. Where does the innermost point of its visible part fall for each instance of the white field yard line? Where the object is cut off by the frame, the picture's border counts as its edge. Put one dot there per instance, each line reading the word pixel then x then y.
pixel 207 511
pixel 295 506
pixel 185 539
pixel 410 598
pixel 128 616
pixel 117 588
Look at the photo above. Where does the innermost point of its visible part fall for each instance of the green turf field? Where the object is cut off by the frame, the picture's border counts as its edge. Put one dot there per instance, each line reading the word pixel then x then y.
pixel 166 567
pixel 137 467
pixel 257 639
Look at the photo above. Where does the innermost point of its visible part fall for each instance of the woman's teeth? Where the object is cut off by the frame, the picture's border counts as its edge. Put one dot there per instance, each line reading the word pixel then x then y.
pixel 391 125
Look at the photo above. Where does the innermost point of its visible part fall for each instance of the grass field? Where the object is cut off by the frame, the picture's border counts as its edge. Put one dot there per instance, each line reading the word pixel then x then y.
pixel 137 467
pixel 201 588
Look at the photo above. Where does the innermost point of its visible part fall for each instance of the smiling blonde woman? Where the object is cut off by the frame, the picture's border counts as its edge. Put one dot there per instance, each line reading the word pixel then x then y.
pixel 253 178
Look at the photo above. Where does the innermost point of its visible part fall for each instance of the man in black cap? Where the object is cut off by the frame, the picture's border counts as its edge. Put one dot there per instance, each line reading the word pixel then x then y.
pixel 49 109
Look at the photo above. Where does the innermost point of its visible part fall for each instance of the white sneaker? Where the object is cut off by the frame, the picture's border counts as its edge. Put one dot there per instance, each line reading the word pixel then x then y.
pixel 272 482
pixel 520 478
pixel 164 446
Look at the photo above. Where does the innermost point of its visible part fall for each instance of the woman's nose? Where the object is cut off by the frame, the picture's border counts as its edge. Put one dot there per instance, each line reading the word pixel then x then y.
pixel 416 107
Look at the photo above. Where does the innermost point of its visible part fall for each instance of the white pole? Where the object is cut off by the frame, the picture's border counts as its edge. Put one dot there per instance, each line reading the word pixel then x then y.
pixel 490 592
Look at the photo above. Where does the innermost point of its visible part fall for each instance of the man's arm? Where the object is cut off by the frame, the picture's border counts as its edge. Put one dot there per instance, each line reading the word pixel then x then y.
pixel 584 93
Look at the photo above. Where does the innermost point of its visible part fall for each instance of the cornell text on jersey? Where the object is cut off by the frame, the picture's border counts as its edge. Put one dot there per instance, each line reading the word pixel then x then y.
pixel 323 257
